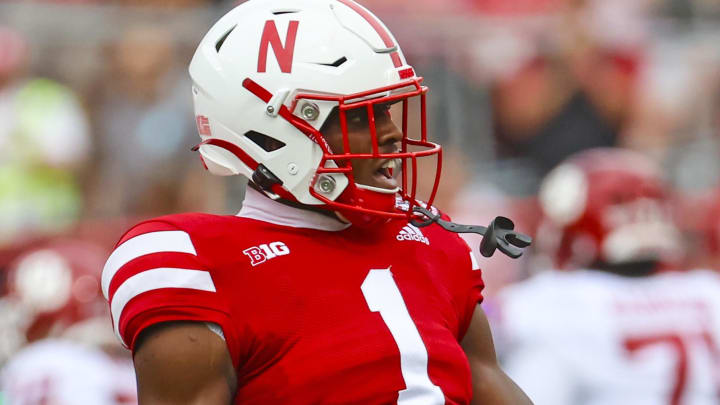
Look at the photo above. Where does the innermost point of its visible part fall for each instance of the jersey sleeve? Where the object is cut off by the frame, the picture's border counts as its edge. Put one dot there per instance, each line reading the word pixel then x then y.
pixel 469 266
pixel 468 280
pixel 473 285
pixel 155 275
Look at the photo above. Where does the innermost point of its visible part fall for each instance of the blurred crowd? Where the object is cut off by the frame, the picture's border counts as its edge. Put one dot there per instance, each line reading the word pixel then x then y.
pixel 96 122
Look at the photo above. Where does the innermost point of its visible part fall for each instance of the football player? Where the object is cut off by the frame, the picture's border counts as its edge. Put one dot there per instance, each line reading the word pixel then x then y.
pixel 54 328
pixel 321 290
pixel 616 323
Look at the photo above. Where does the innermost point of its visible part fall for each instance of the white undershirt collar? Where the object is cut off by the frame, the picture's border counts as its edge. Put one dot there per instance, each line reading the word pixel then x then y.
pixel 259 207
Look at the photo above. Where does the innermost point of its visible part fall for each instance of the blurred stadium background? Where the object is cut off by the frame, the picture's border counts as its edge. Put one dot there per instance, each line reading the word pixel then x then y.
pixel 96 120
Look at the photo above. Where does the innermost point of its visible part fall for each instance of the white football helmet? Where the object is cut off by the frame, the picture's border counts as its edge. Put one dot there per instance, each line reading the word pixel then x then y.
pixel 271 72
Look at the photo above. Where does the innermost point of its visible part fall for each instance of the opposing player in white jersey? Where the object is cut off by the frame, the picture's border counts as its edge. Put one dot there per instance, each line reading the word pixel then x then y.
pixel 615 325
pixel 55 331
pixel 62 372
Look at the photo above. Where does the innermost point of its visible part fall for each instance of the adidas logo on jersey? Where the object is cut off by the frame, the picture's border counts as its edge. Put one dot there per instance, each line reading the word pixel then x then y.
pixel 262 253
pixel 411 232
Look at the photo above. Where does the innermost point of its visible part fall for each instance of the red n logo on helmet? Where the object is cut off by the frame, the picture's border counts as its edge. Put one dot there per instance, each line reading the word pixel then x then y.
pixel 283 54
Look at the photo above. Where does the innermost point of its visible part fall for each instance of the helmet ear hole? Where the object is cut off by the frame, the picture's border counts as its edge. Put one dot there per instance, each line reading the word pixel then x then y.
pixel 267 143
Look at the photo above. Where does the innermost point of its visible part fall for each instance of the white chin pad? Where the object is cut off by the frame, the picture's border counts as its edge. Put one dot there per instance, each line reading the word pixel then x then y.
pixel 378 189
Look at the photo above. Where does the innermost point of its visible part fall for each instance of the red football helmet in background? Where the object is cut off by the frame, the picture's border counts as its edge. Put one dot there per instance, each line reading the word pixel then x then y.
pixel 606 206
pixel 53 289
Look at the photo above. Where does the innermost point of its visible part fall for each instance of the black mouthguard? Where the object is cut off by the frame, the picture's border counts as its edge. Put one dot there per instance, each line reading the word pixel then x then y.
pixel 498 235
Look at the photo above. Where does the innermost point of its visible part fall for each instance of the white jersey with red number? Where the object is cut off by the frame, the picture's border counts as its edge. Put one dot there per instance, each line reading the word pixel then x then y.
pixel 594 338
pixel 313 311
pixel 61 372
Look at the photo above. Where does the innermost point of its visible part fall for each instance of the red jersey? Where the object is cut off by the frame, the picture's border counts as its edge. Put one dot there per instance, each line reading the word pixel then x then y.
pixel 310 316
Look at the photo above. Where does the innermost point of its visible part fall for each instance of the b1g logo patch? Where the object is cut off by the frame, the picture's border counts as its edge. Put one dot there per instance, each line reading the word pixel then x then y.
pixel 262 253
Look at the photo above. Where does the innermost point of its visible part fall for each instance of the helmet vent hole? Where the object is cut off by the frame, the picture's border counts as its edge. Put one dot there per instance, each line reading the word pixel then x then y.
pixel 337 63
pixel 281 12
pixel 267 143
pixel 222 39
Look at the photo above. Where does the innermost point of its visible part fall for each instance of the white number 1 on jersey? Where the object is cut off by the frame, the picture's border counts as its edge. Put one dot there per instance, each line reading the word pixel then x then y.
pixel 382 295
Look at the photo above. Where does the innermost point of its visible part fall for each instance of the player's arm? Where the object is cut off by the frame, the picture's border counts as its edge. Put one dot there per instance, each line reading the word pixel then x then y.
pixel 490 383
pixel 183 363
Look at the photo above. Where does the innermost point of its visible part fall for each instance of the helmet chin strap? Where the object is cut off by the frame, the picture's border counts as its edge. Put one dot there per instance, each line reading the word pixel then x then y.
pixel 498 235
pixel 392 191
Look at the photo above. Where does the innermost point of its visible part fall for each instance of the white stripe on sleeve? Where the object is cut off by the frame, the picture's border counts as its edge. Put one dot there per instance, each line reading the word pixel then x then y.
pixel 473 260
pixel 152 242
pixel 155 279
